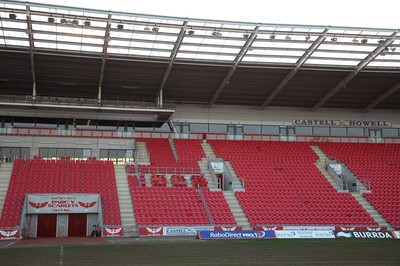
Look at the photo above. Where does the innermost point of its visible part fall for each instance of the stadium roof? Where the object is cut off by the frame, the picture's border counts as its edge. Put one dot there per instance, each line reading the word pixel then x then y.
pixel 49 50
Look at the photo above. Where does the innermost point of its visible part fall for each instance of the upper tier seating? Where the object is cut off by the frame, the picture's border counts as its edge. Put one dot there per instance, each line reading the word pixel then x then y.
pixel 284 187
pixel 377 165
pixel 162 159
pixel 61 176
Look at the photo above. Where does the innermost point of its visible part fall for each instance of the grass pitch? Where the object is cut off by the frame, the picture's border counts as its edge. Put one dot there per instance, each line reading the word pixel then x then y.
pixel 215 252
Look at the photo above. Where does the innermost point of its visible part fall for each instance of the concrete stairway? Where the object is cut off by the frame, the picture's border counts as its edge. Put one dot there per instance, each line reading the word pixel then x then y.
pixel 125 202
pixel 320 163
pixel 5 175
pixel 371 210
pixel 237 210
pixel 237 185
pixel 142 153
pixel 204 165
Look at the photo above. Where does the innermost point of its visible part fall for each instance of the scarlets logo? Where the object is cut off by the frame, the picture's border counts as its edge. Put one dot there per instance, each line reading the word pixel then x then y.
pixel 233 228
pixel 154 230
pixel 87 205
pixel 113 231
pixel 38 205
pixel 7 234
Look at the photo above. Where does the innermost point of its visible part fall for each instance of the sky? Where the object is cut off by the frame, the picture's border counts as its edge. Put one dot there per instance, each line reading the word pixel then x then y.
pixel 348 13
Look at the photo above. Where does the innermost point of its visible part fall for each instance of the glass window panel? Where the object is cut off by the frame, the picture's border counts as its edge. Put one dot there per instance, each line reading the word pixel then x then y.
pixel 198 127
pixel 355 132
pixel 17 43
pixel 305 131
pixel 218 128
pixel 270 130
pixel 338 131
pixel 390 132
pixel 321 131
pixel 251 129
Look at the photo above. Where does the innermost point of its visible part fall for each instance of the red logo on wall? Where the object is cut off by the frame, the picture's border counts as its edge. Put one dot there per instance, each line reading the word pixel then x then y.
pixel 113 232
pixel 151 231
pixel 38 205
pixel 87 205
pixel 6 234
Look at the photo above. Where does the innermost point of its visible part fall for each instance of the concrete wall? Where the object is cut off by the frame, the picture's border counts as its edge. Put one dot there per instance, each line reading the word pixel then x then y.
pixel 274 115
pixel 35 143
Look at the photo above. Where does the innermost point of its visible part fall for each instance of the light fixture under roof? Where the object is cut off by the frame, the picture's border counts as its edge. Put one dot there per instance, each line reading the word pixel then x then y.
pixel 87 23
pixel 308 37
pixel 191 32
pixel 146 28
pixel 155 29
pixel 364 41
pixel 355 40
pixel 216 34
pixel 245 35
pixel 334 39
pixel 51 20
pixel 12 16
pixel 288 38
pixel 272 37
pixel 120 26
pixel 393 49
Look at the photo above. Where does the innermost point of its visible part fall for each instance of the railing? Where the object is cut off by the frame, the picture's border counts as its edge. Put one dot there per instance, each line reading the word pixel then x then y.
pixel 168 170
pixel 84 133
pixel 205 205
pixel 92 102
pixel 341 184
pixel 173 148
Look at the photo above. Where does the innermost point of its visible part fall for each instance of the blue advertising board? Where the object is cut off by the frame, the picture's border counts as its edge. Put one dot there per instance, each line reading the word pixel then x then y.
pixel 235 234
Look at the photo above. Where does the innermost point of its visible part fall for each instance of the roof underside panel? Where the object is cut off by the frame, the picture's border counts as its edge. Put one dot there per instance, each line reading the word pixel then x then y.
pixel 135 81
pixel 67 76
pixel 15 74
pixel 188 83
pixel 363 89
pixel 250 86
pixel 307 87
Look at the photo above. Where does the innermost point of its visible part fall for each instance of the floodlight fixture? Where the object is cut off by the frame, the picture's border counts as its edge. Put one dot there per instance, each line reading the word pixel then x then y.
pixel 120 26
pixel 246 35
pixel 288 38
pixel 355 40
pixel 146 28
pixel 272 37
pixel 216 34
pixel 75 22
pixel 334 39
pixel 50 20
pixel 87 23
pixel 308 37
pixel 155 29
pixel 63 20
pixel 12 16
pixel 364 41
pixel 393 49
pixel 191 32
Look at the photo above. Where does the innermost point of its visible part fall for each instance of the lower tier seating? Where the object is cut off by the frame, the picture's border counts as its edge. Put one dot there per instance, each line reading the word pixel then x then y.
pixel 284 187
pixel 61 176
pixel 377 166
pixel 168 206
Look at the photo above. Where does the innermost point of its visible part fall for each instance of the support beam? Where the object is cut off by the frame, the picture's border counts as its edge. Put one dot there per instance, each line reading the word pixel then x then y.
pixel 382 97
pixel 237 61
pixel 31 50
pixel 298 65
pixel 104 56
pixel 342 84
pixel 172 59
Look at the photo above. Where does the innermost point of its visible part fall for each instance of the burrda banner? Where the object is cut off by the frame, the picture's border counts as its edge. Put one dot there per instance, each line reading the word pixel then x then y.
pixel 62 203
